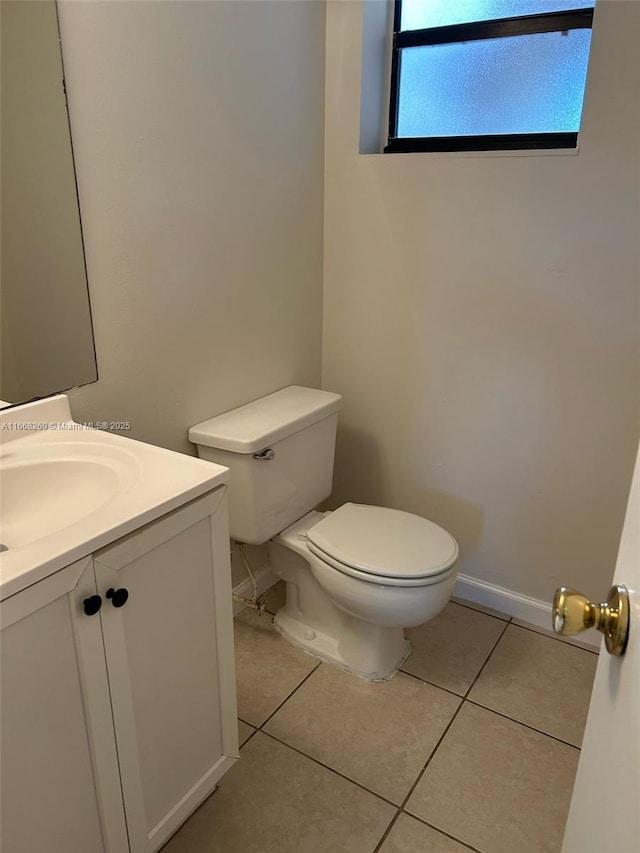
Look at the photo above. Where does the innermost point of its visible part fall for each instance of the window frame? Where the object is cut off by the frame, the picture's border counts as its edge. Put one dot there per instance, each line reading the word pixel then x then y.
pixel 542 22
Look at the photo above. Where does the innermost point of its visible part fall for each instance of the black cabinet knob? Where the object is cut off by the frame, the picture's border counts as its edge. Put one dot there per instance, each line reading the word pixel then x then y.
pixel 118 596
pixel 92 604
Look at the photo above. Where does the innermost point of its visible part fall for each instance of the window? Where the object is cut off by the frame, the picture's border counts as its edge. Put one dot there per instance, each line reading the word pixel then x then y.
pixel 478 75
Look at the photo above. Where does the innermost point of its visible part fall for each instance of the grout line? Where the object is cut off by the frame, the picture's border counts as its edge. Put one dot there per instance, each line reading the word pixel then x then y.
pixel 442 832
pixel 242 745
pixel 453 692
pixel 387 831
pixel 399 810
pixel 451 721
pixel 332 769
pixel 431 754
pixel 465 699
pixel 520 723
pixel 488 658
pixel 432 684
pixel 289 695
pixel 462 698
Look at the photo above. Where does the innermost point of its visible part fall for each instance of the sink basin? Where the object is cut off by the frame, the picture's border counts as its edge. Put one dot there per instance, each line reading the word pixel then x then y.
pixel 47 489
pixel 67 490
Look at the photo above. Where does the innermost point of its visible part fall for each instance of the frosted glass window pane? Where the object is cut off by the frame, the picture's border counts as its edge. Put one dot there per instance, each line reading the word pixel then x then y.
pixel 420 14
pixel 520 84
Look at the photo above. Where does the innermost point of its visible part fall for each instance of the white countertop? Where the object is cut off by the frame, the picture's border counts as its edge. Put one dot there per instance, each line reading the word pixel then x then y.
pixel 153 481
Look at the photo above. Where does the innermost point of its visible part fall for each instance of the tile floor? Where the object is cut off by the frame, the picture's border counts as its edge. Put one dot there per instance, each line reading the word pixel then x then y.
pixel 473 746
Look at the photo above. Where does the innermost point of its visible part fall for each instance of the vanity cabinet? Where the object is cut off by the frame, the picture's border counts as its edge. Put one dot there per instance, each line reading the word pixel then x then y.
pixel 49 801
pixel 121 690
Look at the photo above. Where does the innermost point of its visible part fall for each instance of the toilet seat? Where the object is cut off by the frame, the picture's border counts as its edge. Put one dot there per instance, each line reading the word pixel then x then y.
pixel 383 545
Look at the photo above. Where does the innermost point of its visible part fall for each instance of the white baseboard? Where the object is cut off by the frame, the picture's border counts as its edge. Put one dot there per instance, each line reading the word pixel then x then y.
pixel 265 579
pixel 514 604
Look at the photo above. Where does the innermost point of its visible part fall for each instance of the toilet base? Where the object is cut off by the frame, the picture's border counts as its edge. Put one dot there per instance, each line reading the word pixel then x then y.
pixel 372 652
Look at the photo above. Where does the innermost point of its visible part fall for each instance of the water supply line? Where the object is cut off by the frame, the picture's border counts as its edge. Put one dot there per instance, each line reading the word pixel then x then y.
pixel 255 603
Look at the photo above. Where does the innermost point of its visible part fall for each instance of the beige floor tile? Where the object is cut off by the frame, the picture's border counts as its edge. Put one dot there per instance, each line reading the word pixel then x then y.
pixel 244 732
pixel 267 667
pixel 275 800
pixel 379 735
pixel 275 597
pixel 450 650
pixel 497 785
pixel 481 608
pixel 578 640
pixel 408 835
pixel 540 682
pixel 178 844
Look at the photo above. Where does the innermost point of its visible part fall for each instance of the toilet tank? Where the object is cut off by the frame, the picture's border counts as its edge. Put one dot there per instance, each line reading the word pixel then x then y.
pixel 280 452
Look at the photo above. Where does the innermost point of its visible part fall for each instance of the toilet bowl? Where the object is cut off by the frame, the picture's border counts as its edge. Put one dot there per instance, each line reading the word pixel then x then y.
pixel 379 571
pixel 355 577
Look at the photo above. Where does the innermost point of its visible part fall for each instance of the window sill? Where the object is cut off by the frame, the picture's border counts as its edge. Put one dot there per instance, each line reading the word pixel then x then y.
pixel 483 142
pixel 523 152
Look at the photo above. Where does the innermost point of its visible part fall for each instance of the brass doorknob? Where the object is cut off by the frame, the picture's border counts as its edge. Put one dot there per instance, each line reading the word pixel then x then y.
pixel 573 612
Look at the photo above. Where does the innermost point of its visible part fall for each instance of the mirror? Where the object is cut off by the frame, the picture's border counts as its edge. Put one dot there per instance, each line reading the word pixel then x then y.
pixel 46 336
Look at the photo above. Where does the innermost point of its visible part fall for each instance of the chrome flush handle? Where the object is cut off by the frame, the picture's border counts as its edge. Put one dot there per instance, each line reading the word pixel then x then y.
pixel 265 455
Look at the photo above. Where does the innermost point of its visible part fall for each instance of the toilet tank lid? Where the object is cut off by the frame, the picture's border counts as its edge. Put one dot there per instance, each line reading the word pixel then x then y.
pixel 258 424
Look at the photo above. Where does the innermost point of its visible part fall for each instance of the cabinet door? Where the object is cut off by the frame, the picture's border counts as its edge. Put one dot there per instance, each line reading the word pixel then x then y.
pixel 167 630
pixel 49 801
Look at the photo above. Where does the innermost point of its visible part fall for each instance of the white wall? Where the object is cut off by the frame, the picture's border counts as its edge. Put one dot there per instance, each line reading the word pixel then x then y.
pixel 198 131
pixel 481 321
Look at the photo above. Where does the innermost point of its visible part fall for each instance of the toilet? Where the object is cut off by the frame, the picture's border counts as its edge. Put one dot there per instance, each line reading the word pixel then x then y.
pixel 355 577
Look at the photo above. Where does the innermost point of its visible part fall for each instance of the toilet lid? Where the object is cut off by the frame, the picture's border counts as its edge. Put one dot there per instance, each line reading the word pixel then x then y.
pixel 384 542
